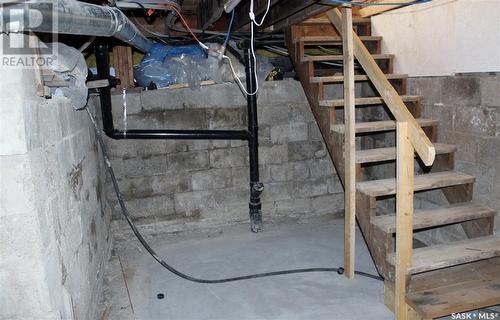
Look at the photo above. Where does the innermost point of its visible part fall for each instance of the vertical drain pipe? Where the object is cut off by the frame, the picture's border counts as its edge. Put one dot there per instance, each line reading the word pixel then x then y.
pixel 256 187
pixel 102 64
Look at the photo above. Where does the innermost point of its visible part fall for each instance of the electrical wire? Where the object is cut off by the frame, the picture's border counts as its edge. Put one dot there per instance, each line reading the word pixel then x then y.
pixel 162 262
pixel 204 46
pixel 228 35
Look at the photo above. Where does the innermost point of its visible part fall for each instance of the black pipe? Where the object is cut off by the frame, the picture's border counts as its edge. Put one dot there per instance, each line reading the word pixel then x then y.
pixel 256 187
pixel 251 135
pixel 102 65
pixel 181 134
pixel 102 62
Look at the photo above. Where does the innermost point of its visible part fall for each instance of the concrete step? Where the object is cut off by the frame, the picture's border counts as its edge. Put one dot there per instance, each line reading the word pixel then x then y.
pixel 387 187
pixel 436 217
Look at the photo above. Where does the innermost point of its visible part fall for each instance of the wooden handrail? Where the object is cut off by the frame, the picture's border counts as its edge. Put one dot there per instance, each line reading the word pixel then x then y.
pixel 419 140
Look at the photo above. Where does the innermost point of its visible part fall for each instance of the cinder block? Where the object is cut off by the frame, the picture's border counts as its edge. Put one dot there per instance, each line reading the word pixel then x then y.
pixel 314 132
pixel 273 154
pixel 293 206
pixel 232 157
pixel 195 203
pixel 310 188
pixel 488 150
pixel 286 91
pixel 490 91
pixel 164 99
pixel 300 113
pixel 461 91
pixel 329 203
pixel 322 167
pixel 227 118
pixel 467 149
pixel 273 114
pixel 211 179
pixel 302 150
pixel 225 95
pixel 133 101
pixel 477 120
pixel 160 207
pixel 141 166
pixel 296 131
pixel 187 161
pixel 429 88
pixel 275 191
pixel 231 196
pixel 334 184
pixel 290 171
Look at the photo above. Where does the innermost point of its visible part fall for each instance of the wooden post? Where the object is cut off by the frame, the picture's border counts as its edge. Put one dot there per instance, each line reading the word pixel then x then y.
pixel 122 61
pixel 404 217
pixel 349 143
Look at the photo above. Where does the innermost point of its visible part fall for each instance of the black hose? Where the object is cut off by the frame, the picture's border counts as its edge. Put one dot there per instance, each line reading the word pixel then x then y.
pixel 172 269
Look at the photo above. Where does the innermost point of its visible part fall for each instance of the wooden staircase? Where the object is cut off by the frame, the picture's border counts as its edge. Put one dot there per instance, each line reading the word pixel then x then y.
pixel 443 278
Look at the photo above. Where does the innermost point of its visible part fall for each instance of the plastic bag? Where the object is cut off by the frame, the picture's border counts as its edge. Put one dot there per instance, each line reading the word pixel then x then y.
pixel 165 65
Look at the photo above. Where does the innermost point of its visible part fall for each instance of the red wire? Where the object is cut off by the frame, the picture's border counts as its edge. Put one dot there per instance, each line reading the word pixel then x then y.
pixel 186 24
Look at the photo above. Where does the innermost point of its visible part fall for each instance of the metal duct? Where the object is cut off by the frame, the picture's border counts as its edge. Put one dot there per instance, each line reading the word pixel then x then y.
pixel 72 17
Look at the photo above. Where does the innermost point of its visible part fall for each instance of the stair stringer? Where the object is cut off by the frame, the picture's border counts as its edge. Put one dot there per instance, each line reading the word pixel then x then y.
pixel 334 141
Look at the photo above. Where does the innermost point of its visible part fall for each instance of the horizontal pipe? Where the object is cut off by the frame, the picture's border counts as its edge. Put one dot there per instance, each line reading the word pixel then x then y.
pixel 167 134
pixel 71 17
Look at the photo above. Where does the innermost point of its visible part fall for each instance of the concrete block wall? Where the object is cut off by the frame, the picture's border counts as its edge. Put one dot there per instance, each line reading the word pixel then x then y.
pixel 182 185
pixel 54 237
pixel 468 108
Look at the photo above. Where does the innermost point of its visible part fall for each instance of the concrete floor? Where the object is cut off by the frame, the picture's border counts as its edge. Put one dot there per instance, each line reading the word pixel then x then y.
pixel 235 251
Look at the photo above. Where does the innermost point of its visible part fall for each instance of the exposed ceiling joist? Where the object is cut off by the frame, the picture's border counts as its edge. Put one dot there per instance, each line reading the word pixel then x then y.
pixel 373 10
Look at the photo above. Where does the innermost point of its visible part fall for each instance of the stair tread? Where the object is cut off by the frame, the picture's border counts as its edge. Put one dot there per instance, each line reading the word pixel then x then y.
pixel 365 101
pixel 384 187
pixel 386 154
pixel 379 126
pixel 436 217
pixel 333 38
pixel 456 289
pixel 341 57
pixel 358 77
pixel 452 254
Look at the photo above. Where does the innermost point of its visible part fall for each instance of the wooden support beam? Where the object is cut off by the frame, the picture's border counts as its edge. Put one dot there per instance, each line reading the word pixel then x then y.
pixel 122 61
pixel 373 10
pixel 404 217
pixel 349 143
pixel 418 138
